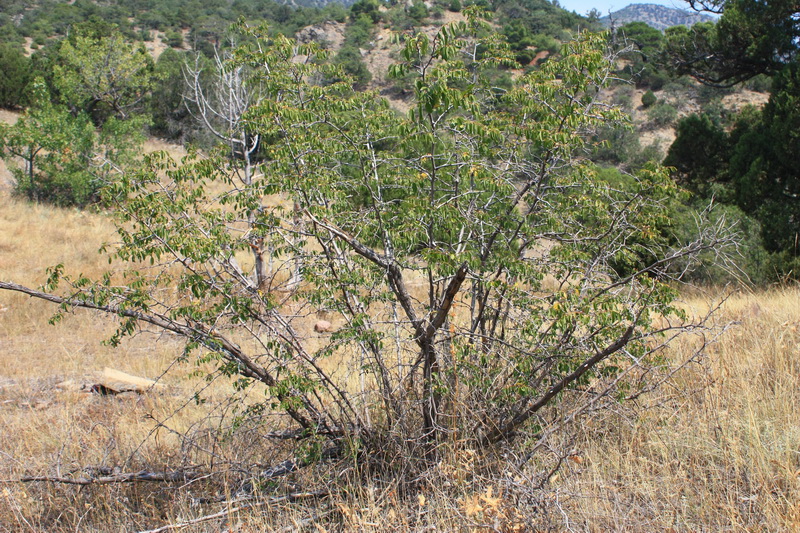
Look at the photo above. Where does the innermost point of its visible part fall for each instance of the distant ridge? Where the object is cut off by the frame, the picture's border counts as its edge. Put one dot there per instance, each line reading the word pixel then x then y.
pixel 656 16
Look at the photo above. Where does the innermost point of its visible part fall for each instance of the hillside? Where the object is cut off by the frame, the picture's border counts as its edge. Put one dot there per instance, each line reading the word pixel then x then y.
pixel 654 15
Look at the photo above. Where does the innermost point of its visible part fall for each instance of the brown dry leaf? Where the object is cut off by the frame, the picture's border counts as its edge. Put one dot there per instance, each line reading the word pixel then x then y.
pixel 490 501
pixel 472 505
pixel 576 459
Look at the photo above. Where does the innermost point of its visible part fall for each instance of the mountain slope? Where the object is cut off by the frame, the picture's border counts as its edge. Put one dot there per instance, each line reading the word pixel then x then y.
pixel 656 16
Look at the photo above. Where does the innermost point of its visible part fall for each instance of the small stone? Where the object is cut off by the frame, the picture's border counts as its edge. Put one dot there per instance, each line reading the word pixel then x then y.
pixel 322 326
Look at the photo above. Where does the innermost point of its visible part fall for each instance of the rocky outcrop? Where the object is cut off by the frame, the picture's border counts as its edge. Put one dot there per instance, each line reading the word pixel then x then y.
pixel 328 34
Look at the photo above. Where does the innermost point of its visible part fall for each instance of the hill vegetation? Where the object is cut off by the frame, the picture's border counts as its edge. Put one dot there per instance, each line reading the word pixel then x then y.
pixel 406 265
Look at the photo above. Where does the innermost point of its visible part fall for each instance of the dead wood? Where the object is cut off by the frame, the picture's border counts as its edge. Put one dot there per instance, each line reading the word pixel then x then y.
pixel 127 477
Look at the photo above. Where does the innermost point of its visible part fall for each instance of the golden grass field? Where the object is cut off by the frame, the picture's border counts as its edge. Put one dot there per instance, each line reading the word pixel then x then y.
pixel 716 449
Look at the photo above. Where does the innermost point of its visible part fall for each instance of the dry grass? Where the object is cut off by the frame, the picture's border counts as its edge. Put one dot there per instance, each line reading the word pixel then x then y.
pixel 50 426
pixel 717 449
pixel 721 451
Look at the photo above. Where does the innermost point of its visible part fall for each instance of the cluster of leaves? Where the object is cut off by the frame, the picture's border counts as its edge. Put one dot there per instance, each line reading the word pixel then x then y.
pixel 55 149
pixel 751 38
pixel 16 76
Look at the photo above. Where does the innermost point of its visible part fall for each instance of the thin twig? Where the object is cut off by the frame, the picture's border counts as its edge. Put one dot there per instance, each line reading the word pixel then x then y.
pixel 295 496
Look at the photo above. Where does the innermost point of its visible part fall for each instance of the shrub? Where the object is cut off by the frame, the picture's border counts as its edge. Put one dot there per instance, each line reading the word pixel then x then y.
pixel 349 58
pixel 418 11
pixel 662 115
pixel 648 99
pixel 174 39
pixel 470 258
pixel 15 68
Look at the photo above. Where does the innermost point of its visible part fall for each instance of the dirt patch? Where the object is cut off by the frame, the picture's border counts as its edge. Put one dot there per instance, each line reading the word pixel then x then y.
pixel 379 56
pixel 9 117
pixel 735 102
pixel 152 144
pixel 157 46
pixel 662 138
pixel 28 46
pixel 6 180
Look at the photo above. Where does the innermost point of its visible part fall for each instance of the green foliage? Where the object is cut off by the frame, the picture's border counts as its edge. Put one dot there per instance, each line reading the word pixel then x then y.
pixel 647 42
pixel 763 164
pixel 646 39
pixel 369 8
pixel 750 264
pixel 526 44
pixel 760 83
pixel 14 75
pixel 357 35
pixel 542 42
pixel 418 11
pixel 619 145
pixel 103 75
pixel 174 39
pixel 698 155
pixel 517 35
pixel 169 114
pixel 623 97
pixel 648 99
pixel 359 32
pixel 751 38
pixel 662 114
pixel 615 144
pixel 8 31
pixel 538 17
pixel 752 167
pixel 49 153
pixel 429 235
pixel 398 19
pixel 334 11
pixel 349 58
